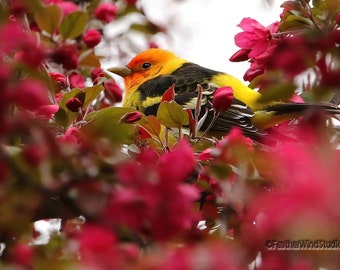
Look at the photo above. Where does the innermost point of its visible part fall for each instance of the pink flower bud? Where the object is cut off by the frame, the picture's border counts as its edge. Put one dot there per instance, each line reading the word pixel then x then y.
pixel 106 12
pixel 74 104
pixel 67 56
pixel 31 95
pixel 240 55
pixel 223 97
pixel 97 72
pixel 337 18
pixel 58 77
pixel 92 38
pixel 131 117
pixel 67 7
pixel 22 254
pixel 114 93
pixel 131 2
pixel 76 80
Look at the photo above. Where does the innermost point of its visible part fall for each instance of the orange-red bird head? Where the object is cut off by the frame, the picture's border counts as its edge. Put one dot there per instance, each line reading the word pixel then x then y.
pixel 146 66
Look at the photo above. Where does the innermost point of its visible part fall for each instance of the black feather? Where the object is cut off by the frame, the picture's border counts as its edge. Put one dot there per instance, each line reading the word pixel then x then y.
pixel 186 80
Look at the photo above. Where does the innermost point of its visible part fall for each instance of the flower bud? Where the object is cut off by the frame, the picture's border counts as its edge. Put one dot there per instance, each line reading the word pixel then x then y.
pixel 74 104
pixel 113 91
pixel 106 12
pixel 67 56
pixel 97 72
pixel 223 97
pixel 76 80
pixel 92 38
pixel 131 117
pixel 337 18
pixel 240 55
pixel 67 7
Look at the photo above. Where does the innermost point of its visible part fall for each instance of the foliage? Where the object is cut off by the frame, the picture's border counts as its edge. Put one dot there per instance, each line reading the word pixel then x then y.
pixel 154 192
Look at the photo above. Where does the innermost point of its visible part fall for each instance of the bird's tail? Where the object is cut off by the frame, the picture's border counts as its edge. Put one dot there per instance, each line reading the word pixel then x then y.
pixel 280 112
pixel 288 108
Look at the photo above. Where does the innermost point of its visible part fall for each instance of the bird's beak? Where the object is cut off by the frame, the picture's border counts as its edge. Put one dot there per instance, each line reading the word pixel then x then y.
pixel 121 71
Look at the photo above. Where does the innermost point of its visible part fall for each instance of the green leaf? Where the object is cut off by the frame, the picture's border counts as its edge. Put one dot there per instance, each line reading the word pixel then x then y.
pixel 64 116
pixel 91 93
pixel 170 114
pixel 278 92
pixel 221 170
pixel 90 59
pixel 152 125
pixel 148 28
pixel 48 18
pixel 105 123
pixel 74 24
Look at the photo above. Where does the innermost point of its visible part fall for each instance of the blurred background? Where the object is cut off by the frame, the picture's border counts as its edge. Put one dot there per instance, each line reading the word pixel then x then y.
pixel 199 30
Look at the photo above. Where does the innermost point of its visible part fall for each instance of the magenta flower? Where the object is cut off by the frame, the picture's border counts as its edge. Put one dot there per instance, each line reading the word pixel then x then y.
pixel 106 12
pixel 223 97
pixel 113 91
pixel 304 194
pixel 97 73
pixel 72 136
pixel 152 198
pixel 67 7
pixel 66 55
pixel 58 78
pixel 131 117
pixel 30 95
pixel 76 80
pixel 74 104
pixel 256 38
pixel 257 44
pixel 92 38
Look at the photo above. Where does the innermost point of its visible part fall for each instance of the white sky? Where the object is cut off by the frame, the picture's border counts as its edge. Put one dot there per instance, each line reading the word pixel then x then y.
pixel 203 31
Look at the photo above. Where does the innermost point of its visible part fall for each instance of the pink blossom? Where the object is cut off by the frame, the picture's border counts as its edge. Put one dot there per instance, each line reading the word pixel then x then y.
pixel 98 247
pixel 304 192
pixel 131 117
pixel 74 104
pixel 58 77
pixel 256 38
pixel 131 2
pixel 223 97
pixel 71 136
pixel 230 149
pixel 22 254
pixel 106 12
pixel 112 90
pixel 255 70
pixel 66 55
pixel 92 38
pixel 26 56
pixel 292 56
pixel 185 161
pixel 152 198
pixel 67 7
pixel 96 73
pixel 76 80
pixel 257 44
pixel 31 95
pixel 46 111
pixel 59 81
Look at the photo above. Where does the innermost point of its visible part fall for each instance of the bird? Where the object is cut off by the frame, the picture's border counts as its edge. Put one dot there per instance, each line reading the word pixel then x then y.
pixel 150 73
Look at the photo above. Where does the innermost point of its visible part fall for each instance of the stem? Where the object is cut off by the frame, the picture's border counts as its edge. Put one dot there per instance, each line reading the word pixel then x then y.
pixel 216 114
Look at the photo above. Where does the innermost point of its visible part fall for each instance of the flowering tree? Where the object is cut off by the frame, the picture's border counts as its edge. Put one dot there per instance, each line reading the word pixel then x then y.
pixel 131 193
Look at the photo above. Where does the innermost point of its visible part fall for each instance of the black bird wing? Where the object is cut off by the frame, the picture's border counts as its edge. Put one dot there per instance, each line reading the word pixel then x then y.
pixel 186 79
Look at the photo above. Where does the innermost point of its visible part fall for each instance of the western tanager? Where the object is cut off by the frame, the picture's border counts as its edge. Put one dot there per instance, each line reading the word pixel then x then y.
pixel 149 74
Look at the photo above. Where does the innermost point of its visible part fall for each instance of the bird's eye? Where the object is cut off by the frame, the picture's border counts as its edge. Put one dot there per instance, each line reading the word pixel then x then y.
pixel 146 65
